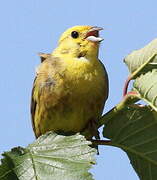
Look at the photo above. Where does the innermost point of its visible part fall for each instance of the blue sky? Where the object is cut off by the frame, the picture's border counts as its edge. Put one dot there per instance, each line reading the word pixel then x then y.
pixel 32 26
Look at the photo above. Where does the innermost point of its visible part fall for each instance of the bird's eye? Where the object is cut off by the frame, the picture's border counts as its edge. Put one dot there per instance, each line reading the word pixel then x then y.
pixel 75 34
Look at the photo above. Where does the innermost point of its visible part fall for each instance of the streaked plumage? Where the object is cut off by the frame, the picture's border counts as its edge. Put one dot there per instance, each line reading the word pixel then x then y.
pixel 71 85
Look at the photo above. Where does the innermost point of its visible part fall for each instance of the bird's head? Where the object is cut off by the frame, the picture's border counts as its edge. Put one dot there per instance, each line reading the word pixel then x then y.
pixel 80 41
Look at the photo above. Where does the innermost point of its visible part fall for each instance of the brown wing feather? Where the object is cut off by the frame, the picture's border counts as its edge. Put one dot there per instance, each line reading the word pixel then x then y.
pixel 43 56
pixel 106 82
pixel 51 63
pixel 33 108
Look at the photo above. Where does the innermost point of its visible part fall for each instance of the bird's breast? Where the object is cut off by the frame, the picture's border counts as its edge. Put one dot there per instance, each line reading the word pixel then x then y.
pixel 84 78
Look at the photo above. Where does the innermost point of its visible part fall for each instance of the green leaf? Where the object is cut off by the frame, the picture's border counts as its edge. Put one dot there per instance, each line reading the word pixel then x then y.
pixel 7 165
pixel 134 129
pixel 145 57
pixel 50 157
pixel 146 86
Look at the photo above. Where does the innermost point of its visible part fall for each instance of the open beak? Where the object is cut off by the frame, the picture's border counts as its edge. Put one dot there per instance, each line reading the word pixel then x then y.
pixel 93 34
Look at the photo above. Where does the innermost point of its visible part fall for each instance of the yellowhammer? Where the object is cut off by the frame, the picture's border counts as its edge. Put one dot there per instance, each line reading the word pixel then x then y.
pixel 71 84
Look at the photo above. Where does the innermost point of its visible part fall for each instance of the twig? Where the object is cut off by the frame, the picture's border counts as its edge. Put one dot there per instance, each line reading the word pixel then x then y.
pixel 135 74
pixel 102 142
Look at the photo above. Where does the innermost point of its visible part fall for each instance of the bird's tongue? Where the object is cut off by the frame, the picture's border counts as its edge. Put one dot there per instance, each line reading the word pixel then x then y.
pixel 94 39
pixel 93 35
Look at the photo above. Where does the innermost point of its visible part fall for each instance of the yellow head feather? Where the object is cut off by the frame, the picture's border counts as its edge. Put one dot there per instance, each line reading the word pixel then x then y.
pixel 74 42
pixel 82 30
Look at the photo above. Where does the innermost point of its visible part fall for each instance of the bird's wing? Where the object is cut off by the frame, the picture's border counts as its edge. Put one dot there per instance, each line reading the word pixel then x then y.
pixel 43 56
pixel 106 82
pixel 44 79
pixel 33 106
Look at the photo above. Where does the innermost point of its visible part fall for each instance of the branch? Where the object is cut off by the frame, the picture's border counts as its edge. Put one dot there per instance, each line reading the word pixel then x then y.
pixel 102 142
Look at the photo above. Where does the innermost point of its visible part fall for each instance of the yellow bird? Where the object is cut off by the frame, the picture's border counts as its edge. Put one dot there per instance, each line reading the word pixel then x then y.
pixel 71 84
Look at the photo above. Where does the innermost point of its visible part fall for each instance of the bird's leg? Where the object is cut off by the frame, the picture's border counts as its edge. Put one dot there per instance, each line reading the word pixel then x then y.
pixel 91 130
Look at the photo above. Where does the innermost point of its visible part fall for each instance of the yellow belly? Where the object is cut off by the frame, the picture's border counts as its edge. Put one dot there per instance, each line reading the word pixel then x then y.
pixel 80 98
